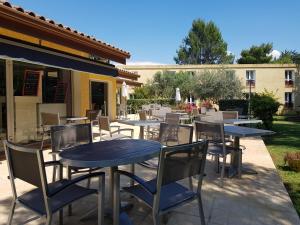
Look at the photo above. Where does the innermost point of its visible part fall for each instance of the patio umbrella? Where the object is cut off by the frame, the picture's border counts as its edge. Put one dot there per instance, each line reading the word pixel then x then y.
pixel 177 96
pixel 125 95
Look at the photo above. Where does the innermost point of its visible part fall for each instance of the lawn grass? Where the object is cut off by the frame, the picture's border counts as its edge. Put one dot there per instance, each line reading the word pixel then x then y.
pixel 286 139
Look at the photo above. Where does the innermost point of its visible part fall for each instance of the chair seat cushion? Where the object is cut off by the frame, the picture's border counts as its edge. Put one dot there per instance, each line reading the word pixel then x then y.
pixel 114 137
pixel 34 199
pixel 217 149
pixel 171 194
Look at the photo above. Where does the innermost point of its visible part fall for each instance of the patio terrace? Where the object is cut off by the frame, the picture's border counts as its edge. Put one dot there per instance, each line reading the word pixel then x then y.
pixel 255 199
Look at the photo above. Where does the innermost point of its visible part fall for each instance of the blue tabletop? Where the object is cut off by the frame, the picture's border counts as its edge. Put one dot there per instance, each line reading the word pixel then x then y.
pixel 238 131
pixel 110 153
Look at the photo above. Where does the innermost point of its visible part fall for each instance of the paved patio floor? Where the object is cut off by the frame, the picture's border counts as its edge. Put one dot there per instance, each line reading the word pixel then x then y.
pixel 253 200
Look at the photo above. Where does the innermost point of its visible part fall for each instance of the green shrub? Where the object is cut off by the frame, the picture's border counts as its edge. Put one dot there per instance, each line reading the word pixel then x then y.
pixel 136 104
pixel 264 106
pixel 242 104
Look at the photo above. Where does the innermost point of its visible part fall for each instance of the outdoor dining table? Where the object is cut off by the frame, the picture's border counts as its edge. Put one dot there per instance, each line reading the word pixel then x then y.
pixel 141 123
pixel 239 132
pixel 241 121
pixel 111 154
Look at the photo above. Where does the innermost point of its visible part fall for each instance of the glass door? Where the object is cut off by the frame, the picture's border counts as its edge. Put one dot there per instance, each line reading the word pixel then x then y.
pixel 3 117
pixel 99 97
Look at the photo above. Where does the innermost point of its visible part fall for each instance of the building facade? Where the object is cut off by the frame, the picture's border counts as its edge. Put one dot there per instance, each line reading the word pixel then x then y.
pixel 277 78
pixel 48 67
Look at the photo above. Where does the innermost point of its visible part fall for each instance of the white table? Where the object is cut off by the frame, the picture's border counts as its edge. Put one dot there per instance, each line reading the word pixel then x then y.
pixel 141 123
pixel 239 132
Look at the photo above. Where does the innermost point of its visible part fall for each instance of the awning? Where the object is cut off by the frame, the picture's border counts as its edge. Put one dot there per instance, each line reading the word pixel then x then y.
pixel 21 52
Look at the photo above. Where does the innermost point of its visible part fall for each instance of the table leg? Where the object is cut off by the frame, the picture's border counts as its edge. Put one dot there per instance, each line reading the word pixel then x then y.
pixel 235 159
pixel 116 199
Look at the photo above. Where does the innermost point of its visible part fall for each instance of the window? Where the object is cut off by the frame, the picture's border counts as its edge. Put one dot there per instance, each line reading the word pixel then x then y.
pixel 250 78
pixel 289 78
pixel 289 99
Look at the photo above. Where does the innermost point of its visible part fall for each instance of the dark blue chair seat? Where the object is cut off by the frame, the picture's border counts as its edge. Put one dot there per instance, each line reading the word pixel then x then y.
pixel 35 200
pixel 217 149
pixel 171 195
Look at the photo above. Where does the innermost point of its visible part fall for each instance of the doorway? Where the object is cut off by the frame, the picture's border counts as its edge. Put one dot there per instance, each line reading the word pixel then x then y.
pixel 99 92
pixel 3 111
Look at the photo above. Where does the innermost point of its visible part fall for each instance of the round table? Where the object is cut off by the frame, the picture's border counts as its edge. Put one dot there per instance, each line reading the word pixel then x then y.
pixel 111 154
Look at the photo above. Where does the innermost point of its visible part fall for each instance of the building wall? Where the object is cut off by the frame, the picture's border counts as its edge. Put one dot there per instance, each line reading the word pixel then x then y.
pixel 269 77
pixel 81 92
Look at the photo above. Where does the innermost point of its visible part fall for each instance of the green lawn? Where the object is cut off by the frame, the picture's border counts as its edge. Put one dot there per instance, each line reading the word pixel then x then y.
pixel 287 139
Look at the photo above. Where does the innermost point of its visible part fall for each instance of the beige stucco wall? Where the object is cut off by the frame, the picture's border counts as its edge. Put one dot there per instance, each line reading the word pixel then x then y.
pixel 268 76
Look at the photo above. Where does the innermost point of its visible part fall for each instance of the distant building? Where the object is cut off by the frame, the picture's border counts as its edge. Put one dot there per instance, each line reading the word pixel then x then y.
pixel 278 78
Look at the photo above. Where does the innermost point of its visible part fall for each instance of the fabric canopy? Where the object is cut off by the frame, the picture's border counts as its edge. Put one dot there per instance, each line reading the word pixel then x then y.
pixel 44 57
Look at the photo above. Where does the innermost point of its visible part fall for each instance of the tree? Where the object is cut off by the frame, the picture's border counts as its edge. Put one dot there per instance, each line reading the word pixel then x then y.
pixel 163 85
pixel 217 84
pixel 256 54
pixel 264 106
pixel 203 45
pixel 286 57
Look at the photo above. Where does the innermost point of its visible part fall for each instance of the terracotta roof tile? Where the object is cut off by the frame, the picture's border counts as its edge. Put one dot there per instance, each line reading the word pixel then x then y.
pixel 42 18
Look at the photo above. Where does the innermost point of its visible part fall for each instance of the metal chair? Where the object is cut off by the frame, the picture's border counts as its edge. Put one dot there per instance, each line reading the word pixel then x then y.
pixel 230 115
pixel 93 115
pixel 163 194
pixel 214 133
pixel 28 165
pixel 172 118
pixel 48 120
pixel 143 115
pixel 104 125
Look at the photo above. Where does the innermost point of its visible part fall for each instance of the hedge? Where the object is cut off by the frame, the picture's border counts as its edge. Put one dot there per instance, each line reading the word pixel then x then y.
pixel 136 104
pixel 234 104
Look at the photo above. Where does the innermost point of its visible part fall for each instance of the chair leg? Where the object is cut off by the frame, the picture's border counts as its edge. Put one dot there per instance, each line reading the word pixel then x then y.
pixel 101 199
pixel 191 183
pixel 61 217
pixel 88 185
pixel 201 212
pixel 11 213
pixel 69 178
pixel 156 219
pixel 48 220
pixel 132 170
pixel 223 170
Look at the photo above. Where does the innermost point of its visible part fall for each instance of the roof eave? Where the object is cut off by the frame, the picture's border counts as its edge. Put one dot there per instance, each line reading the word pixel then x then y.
pixel 21 22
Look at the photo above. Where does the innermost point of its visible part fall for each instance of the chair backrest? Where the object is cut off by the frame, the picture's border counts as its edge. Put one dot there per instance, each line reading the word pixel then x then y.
pixel 26 164
pixel 66 136
pixel 104 123
pixel 172 118
pixel 92 114
pixel 143 115
pixel 213 132
pixel 213 116
pixel 181 161
pixel 170 134
pixel 195 112
pixel 49 119
pixel 230 115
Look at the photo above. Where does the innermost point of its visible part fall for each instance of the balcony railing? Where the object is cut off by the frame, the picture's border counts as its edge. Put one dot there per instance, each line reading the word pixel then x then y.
pixel 289 83
pixel 250 82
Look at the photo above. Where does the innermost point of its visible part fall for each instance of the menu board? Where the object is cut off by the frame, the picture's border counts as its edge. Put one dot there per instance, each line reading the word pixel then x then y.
pixel 31 83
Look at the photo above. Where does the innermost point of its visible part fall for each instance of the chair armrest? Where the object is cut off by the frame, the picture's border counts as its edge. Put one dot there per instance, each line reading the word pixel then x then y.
pixel 123 129
pixel 74 181
pixel 115 126
pixel 54 152
pixel 150 189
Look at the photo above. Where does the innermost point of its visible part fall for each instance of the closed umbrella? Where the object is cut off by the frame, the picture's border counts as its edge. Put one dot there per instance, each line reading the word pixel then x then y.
pixel 177 96
pixel 125 95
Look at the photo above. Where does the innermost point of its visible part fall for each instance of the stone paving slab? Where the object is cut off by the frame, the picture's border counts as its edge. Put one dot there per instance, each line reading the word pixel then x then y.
pixel 253 200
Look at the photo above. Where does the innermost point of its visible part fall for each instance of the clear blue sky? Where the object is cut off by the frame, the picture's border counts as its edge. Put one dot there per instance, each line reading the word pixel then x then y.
pixel 153 30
